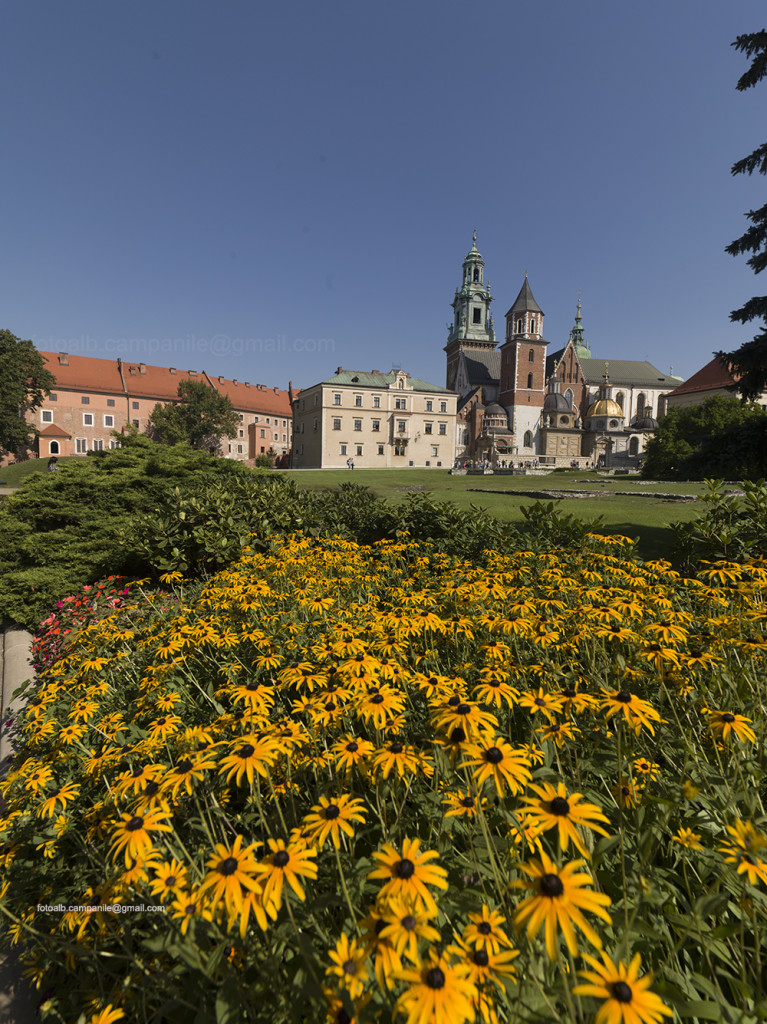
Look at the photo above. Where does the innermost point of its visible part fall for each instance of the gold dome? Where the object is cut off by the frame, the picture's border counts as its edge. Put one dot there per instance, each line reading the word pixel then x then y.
pixel 604 407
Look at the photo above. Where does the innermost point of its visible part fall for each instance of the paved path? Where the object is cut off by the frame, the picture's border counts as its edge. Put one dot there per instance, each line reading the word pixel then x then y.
pixel 17 1001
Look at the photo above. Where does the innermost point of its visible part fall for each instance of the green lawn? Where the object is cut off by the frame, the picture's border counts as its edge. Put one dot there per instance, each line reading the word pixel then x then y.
pixel 14 476
pixel 646 518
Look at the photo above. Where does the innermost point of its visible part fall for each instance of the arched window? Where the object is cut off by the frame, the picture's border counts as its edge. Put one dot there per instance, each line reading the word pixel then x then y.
pixel 54 448
pixel 532 325
pixel 531 356
pixel 569 397
pixel 529 380
pixel 633 446
pixel 528 441
pixel 640 404
pixel 520 326
pixel 476 273
pixel 619 399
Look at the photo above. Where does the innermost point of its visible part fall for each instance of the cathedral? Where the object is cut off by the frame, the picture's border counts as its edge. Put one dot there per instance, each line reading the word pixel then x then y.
pixel 518 402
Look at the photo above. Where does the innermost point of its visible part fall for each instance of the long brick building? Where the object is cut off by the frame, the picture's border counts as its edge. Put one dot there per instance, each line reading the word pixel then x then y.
pixel 93 397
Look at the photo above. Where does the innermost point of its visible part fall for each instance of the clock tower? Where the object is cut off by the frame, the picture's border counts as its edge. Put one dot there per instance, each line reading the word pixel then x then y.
pixel 472 323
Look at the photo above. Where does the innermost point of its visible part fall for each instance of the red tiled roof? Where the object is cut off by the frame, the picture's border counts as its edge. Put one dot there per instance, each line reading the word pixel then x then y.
pixel 714 375
pixel 86 373
pixel 246 397
pixel 83 373
pixel 53 431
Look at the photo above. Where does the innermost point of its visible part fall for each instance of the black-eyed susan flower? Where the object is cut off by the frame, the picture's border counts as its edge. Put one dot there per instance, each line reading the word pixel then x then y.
pixel 404 924
pixel 540 702
pixel 348 966
pixel 725 723
pixel 461 804
pixel 106 1015
pixel 555 808
pixel 626 996
pixel 250 755
pixel 57 799
pixel 687 838
pixel 409 873
pixel 744 850
pixel 396 757
pixel 188 907
pixel 482 965
pixel 185 772
pixel 493 759
pixel 467 716
pixel 436 994
pixel 637 712
pixel 559 895
pixel 286 862
pixel 386 961
pixel 170 880
pixel 351 752
pixel 133 836
pixel 231 874
pixel 484 930
pixel 332 816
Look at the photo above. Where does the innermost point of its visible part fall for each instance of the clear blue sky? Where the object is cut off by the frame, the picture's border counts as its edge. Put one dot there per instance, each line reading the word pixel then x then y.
pixel 207 176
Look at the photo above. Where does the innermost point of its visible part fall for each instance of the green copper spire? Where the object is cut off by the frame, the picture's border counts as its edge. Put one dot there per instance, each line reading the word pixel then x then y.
pixel 582 349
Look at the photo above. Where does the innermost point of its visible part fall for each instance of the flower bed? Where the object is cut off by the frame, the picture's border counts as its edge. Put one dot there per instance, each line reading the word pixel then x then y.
pixel 380 783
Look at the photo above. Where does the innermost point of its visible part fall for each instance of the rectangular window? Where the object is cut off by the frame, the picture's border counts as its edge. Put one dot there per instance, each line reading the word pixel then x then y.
pixel 400 403
pixel 85 401
pixel 434 450
pixel 47 415
pixel 134 405
pixel 81 446
pixel 428 405
pixel 316 424
pixel 98 445
pixel 428 428
pixel 443 428
pixel 399 449
pixel 135 423
pixel 52 397
pixel 358 424
pixel 239 449
pixel 110 403
pixel 267 418
pixel 476 315
pixel 336 399
pixel 343 449
pixel 380 449
pixel 401 426
pixel 87 419
pixel 358 400
pixel 443 406
pixel 263 432
pixel 242 417
pixel 376 424
pixel 376 401
pixel 337 423
pixel 113 442
pixel 359 449
pixel 109 420
pixel 241 433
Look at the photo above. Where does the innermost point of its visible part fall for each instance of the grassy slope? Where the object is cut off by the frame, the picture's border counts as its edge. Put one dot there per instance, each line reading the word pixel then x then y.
pixel 645 518
pixel 15 475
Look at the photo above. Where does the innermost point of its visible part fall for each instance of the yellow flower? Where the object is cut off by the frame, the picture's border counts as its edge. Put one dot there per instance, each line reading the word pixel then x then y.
pixel 554 808
pixel 349 966
pixel 331 817
pixel 558 897
pixel 286 862
pixel 409 873
pixel 230 876
pixel 436 994
pixel 626 996
pixel 133 836
pixel 687 838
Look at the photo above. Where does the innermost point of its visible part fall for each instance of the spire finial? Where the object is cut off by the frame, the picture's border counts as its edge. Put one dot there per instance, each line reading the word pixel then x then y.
pixel 606 374
pixel 474 237
pixel 578 313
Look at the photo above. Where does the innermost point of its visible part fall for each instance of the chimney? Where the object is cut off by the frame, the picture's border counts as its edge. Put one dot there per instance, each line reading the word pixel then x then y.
pixel 63 359
pixel 142 367
pixel 339 370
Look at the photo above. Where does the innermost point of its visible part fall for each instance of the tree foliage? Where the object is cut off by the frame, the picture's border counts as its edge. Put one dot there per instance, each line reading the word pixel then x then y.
pixel 749 362
pixel 24 383
pixel 200 418
pixel 720 436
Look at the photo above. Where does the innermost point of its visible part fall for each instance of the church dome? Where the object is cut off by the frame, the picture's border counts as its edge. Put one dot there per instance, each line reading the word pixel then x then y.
pixel 646 423
pixel 556 402
pixel 495 410
pixel 604 407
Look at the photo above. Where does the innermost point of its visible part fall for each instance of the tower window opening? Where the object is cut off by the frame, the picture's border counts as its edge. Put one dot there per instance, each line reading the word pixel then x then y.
pixel 529 380
pixel 532 325
pixel 476 273
pixel 528 441
pixel 520 326
pixel 477 315
pixel 531 356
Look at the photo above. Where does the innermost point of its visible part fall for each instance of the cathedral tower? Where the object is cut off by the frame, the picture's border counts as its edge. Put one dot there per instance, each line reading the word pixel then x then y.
pixel 523 370
pixel 472 324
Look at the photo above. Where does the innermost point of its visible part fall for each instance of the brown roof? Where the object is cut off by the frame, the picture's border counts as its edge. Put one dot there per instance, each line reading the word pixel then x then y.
pixel 714 375
pixel 53 431
pixel 157 382
pixel 83 373
pixel 142 380
pixel 247 397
